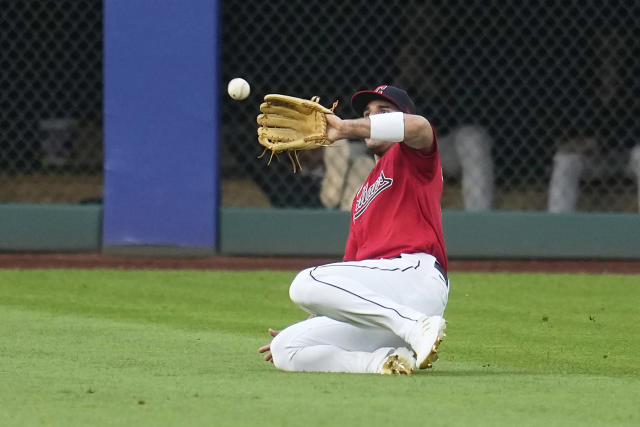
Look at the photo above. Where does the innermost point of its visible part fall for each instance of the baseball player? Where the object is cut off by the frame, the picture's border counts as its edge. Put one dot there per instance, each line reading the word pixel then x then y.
pixel 381 309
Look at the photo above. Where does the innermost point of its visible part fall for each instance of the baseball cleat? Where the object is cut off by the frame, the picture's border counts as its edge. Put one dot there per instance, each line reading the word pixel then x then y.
pixel 427 336
pixel 400 362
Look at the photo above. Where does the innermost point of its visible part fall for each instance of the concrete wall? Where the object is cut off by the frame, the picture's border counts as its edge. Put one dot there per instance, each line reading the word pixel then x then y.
pixel 282 232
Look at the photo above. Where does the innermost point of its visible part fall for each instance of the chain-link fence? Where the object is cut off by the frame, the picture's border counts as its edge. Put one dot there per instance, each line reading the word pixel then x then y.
pixel 50 101
pixel 536 103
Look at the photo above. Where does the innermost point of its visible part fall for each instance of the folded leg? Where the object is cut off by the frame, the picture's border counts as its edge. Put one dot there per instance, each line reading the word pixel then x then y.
pixel 321 344
pixel 389 293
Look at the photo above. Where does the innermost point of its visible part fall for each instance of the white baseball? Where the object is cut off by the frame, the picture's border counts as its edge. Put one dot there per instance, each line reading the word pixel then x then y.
pixel 238 89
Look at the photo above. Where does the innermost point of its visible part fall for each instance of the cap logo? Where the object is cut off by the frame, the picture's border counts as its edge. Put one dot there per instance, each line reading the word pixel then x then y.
pixel 380 89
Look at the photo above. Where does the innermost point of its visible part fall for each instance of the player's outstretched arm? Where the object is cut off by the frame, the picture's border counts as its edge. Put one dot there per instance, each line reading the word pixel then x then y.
pixel 418 133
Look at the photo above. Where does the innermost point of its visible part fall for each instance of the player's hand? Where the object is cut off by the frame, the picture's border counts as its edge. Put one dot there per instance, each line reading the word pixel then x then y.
pixel 267 348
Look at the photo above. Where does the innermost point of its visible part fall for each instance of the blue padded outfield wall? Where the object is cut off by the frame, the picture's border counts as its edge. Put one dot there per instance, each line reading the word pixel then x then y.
pixel 160 122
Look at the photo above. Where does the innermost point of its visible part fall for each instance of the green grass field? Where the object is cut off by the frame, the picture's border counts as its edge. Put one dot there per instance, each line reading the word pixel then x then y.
pixel 110 347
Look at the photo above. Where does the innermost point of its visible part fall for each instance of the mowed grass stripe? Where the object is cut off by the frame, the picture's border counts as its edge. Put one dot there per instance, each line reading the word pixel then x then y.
pixel 110 347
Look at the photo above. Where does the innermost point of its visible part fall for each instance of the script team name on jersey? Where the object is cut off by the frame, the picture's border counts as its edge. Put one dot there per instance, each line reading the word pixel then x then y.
pixel 369 192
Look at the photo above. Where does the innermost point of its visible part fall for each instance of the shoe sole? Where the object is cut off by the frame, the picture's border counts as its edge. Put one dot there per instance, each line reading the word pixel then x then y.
pixel 432 357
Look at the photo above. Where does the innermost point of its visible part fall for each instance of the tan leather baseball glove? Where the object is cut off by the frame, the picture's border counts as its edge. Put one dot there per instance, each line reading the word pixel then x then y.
pixel 289 124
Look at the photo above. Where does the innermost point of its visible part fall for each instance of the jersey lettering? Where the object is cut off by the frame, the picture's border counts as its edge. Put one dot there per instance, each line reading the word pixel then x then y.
pixel 368 193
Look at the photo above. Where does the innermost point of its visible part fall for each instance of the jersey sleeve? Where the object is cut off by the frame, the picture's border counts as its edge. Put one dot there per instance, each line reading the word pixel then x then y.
pixel 423 164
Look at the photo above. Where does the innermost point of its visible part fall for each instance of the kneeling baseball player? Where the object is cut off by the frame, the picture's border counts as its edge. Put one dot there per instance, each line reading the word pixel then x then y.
pixel 381 309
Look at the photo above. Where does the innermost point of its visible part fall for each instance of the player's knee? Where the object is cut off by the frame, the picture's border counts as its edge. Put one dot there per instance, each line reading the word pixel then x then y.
pixel 300 289
pixel 282 352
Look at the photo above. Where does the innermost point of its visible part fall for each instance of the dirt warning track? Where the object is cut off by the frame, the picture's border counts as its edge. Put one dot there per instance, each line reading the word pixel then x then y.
pixel 96 260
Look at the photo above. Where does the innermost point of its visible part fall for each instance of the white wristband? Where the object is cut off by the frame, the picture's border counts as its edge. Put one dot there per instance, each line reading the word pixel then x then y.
pixel 387 126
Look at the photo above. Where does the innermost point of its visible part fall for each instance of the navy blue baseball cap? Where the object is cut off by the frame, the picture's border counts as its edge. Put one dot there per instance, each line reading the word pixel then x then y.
pixel 394 95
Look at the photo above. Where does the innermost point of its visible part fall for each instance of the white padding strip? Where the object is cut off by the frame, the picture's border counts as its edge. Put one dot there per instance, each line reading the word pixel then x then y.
pixel 387 126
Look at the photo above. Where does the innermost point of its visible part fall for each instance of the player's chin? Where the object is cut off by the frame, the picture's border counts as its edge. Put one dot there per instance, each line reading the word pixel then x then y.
pixel 377 147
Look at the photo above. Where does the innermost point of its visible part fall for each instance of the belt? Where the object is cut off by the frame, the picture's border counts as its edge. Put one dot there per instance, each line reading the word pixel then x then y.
pixel 438 267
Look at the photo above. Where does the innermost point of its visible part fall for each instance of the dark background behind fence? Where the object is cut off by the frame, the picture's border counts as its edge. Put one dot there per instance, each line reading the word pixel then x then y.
pixel 51 101
pixel 539 77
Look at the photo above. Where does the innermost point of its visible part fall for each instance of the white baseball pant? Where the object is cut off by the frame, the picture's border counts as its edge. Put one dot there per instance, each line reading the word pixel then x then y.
pixel 364 310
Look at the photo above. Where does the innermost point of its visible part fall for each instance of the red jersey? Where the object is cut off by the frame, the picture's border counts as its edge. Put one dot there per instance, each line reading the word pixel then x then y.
pixel 397 210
